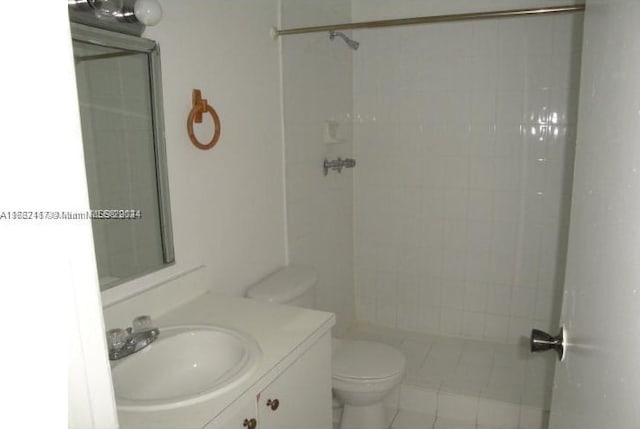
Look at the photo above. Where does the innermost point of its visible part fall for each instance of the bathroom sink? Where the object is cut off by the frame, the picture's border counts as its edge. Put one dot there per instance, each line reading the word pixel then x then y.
pixel 186 365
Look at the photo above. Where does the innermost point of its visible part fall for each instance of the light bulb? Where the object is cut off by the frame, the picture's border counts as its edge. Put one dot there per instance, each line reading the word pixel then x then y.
pixel 148 12
pixel 107 8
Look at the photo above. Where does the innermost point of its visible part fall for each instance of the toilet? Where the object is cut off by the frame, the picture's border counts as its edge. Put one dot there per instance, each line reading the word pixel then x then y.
pixel 363 372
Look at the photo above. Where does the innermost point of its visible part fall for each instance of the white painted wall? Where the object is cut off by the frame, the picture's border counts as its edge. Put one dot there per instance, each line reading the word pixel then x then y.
pixel 464 137
pixel 598 385
pixel 227 203
pixel 50 286
pixel 317 75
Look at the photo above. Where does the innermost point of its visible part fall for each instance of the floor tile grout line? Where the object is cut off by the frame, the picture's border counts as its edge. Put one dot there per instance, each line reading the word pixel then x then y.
pixel 430 340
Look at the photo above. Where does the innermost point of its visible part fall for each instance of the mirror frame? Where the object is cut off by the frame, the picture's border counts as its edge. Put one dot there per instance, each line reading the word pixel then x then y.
pixel 96 36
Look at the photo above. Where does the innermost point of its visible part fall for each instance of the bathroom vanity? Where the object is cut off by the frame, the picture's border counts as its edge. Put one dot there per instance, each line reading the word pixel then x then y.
pixel 289 386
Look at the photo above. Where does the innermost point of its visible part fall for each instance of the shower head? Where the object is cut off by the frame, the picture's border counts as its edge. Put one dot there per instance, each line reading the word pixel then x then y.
pixel 352 43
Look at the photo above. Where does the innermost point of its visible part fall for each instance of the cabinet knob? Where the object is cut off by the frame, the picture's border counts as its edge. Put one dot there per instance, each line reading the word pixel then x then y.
pixel 250 423
pixel 273 404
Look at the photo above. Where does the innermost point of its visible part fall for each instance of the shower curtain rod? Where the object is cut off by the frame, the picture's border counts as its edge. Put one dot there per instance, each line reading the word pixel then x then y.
pixel 430 19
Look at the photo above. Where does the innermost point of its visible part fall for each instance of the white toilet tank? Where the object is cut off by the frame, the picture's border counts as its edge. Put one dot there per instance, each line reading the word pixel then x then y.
pixel 292 285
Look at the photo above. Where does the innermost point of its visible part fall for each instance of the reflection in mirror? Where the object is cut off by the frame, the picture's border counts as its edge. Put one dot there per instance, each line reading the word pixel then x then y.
pixel 120 108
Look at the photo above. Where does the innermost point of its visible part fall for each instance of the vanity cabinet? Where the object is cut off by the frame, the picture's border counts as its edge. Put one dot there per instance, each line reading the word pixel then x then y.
pixel 234 417
pixel 299 397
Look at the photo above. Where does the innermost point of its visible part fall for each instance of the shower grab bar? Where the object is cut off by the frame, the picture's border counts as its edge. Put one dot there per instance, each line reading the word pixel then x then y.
pixel 275 32
pixel 338 164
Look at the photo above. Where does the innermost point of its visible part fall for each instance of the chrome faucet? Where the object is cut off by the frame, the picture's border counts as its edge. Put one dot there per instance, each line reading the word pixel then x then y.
pixel 338 164
pixel 125 342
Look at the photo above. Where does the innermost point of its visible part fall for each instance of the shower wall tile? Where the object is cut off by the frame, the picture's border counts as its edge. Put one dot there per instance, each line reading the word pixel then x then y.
pixel 464 136
pixel 320 232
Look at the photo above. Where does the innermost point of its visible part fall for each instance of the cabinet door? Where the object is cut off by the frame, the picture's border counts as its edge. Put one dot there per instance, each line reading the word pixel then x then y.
pixel 301 396
pixel 242 414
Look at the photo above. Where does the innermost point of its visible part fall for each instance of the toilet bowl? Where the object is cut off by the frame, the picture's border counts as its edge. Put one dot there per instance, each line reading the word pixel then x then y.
pixel 363 375
pixel 363 372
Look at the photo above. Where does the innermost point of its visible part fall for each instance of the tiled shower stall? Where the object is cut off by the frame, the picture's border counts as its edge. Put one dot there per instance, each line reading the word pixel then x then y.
pixel 464 134
pixel 453 225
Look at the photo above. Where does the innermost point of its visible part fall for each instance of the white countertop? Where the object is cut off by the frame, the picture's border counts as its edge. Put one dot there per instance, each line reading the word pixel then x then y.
pixel 282 332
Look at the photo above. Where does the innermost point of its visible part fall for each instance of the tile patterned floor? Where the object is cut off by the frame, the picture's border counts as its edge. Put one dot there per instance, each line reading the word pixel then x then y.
pixel 406 419
pixel 498 372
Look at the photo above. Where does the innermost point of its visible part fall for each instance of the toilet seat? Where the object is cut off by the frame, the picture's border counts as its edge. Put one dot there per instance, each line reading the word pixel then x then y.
pixel 365 361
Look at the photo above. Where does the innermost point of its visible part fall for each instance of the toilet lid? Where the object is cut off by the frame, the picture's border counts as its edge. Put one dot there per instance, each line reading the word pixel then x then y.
pixel 356 359
pixel 284 285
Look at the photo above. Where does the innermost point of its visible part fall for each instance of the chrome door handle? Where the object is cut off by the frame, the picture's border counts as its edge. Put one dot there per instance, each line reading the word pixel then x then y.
pixel 541 341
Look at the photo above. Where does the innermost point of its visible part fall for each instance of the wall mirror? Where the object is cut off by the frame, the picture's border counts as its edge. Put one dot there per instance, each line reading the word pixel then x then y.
pixel 120 97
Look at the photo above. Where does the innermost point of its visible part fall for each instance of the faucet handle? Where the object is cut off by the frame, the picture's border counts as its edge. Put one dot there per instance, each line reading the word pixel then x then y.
pixel 116 338
pixel 142 323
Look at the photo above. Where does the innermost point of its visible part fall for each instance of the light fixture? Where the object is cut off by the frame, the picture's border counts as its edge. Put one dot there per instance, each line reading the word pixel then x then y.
pixel 127 16
pixel 106 8
pixel 148 12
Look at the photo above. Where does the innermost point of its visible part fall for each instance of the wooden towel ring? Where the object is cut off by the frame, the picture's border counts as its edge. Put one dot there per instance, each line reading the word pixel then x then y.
pixel 200 107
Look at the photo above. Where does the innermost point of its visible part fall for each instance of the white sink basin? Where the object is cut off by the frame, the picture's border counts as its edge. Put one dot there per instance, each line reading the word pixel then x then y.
pixel 184 366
